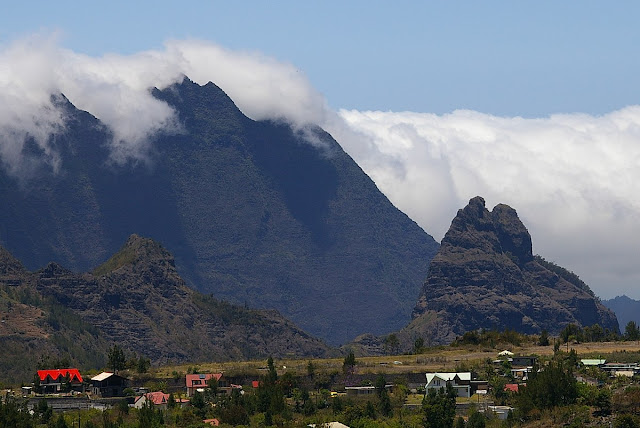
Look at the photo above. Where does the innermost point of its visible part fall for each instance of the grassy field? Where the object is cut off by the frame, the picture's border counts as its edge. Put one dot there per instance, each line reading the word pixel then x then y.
pixel 433 359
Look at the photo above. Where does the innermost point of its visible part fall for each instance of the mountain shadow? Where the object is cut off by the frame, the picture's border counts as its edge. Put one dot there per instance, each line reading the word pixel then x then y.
pixel 254 212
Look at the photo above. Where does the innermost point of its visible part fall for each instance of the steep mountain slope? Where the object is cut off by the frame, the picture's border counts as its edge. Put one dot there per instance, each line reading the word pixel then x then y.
pixel 625 308
pixel 486 276
pixel 254 212
pixel 138 300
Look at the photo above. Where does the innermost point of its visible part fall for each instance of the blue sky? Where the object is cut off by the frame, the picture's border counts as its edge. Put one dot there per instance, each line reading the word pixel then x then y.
pixel 532 104
pixel 527 59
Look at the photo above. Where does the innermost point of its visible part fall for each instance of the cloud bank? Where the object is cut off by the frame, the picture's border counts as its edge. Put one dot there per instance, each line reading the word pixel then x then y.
pixel 573 178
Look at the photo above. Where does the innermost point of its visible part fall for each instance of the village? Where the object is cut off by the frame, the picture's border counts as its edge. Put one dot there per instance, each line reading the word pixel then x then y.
pixel 488 387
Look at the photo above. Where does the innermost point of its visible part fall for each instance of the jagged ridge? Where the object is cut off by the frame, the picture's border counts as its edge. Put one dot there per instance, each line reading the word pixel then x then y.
pixel 142 304
pixel 250 209
pixel 486 276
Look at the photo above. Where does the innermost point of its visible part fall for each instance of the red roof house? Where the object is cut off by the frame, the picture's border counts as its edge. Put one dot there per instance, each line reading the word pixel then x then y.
pixel 52 381
pixel 513 387
pixel 158 399
pixel 201 381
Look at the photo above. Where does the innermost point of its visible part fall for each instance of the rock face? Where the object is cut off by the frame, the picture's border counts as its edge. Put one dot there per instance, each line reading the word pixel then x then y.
pixel 254 212
pixel 137 300
pixel 486 276
pixel 625 308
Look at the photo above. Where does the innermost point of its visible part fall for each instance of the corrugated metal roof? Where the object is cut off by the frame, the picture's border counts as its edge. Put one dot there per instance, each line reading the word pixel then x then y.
pixel 102 376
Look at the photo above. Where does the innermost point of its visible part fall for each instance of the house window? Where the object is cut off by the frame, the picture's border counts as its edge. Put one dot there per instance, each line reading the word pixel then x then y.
pixel 197 382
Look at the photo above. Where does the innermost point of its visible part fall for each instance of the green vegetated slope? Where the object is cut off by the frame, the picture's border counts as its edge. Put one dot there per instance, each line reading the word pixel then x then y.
pixel 34 327
pixel 486 276
pixel 137 300
pixel 255 213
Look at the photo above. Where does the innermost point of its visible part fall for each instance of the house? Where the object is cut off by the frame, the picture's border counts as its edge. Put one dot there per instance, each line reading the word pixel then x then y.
pixel 520 361
pixel 500 412
pixel 159 399
pixel 214 422
pixel 621 369
pixel 521 373
pixel 511 387
pixel 108 384
pixel 593 362
pixel 198 382
pixel 364 390
pixel 461 382
pixel 60 380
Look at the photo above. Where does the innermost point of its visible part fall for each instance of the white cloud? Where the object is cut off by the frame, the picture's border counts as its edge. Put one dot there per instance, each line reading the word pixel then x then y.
pixel 115 88
pixel 573 178
pixel 262 87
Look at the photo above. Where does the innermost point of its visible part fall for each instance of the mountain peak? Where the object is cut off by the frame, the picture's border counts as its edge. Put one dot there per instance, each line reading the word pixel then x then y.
pixel 485 276
pixel 498 231
pixel 252 211
pixel 136 250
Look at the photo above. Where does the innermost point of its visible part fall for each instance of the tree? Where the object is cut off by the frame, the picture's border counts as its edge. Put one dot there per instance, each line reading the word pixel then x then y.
pixel 554 386
pixel 272 374
pixel 212 383
pixel 370 411
pixel 439 408
pixel 631 331
pixel 572 333
pixel 349 363
pixel 116 358
pixel 476 420
pixel 544 338
pixel 36 384
pixel 148 416
pixel 197 401
pixel 603 401
pixel 270 395
pixel 384 405
pixel 626 421
pixel 66 384
pixel 418 345
pixel 142 364
pixel 13 414
pixel 43 411
pixel 384 402
pixel 235 414
pixel 60 422
pixel 336 405
pixel 380 385
pixel 391 343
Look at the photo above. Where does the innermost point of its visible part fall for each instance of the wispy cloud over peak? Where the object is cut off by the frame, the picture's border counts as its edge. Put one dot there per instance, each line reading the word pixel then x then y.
pixel 116 89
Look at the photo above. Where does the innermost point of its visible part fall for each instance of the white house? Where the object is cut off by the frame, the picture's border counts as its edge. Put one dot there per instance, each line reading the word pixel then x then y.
pixel 461 382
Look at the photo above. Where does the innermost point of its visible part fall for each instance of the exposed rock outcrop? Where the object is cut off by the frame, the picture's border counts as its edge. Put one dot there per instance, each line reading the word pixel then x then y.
pixel 486 276
pixel 138 300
